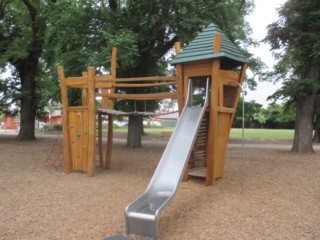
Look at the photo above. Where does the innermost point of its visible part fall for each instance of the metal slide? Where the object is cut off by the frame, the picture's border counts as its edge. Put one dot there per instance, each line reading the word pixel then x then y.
pixel 141 215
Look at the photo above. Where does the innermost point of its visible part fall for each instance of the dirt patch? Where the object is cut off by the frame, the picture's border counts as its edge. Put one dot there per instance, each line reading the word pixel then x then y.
pixel 280 198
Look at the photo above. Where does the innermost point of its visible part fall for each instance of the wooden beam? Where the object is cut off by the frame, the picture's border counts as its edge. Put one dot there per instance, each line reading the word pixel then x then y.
pixel 217 42
pixel 84 94
pixel 103 78
pixel 104 86
pixel 114 62
pixel 177 46
pixel 91 123
pixel 100 139
pixel 240 81
pixel 148 96
pixel 107 101
pixel 180 88
pixel 65 121
pixel 141 79
pixel 77 81
pixel 109 142
pixel 229 75
pixel 126 85
pixel 213 122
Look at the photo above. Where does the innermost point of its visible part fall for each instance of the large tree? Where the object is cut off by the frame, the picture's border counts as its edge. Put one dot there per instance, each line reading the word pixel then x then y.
pixel 22 28
pixel 295 40
pixel 143 31
pixel 157 25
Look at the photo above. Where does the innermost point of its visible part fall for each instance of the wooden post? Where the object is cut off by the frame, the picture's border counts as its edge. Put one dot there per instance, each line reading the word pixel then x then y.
pixel 217 42
pixel 65 121
pixel 113 74
pixel 109 141
pixel 213 122
pixel 84 92
pixel 180 88
pixel 179 72
pixel 100 139
pixel 177 46
pixel 240 81
pixel 92 123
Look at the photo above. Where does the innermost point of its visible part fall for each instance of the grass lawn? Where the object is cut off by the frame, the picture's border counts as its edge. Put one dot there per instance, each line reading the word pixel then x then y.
pixel 262 133
pixel 235 132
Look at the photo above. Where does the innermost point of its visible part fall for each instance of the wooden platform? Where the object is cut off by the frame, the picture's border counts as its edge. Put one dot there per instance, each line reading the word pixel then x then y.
pixel 198 172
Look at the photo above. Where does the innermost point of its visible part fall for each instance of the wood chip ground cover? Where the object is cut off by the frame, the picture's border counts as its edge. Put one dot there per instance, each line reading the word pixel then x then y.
pixel 280 197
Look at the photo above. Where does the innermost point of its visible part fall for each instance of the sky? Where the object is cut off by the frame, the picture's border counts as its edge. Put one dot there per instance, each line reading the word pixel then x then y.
pixel 264 14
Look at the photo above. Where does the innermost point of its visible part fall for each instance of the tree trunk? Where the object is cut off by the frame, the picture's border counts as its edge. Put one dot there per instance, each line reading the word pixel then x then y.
pixel 28 101
pixel 316 136
pixel 302 142
pixel 135 128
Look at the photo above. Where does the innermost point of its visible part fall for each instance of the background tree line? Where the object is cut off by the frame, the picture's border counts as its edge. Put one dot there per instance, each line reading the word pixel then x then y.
pixel 274 116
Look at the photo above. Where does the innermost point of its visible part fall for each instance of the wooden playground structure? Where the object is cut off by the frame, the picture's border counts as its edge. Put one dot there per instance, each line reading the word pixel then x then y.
pixel 211 55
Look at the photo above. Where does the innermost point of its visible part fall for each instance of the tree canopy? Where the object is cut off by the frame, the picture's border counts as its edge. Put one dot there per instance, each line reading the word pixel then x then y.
pixel 37 35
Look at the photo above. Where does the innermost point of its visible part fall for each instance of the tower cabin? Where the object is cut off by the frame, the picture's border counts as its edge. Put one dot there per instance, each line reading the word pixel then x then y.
pixel 212 55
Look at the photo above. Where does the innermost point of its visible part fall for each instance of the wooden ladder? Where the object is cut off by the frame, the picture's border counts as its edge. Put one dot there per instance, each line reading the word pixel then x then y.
pixel 198 160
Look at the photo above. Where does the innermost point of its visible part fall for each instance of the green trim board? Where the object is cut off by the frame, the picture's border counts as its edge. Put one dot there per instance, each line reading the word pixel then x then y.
pixel 201 48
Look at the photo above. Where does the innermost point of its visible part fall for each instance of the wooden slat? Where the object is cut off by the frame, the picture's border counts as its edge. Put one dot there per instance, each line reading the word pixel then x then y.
pixel 103 78
pixel 228 75
pixel 226 110
pixel 78 108
pixel 199 148
pixel 221 144
pixel 149 96
pixel 197 172
pixel 141 79
pixel 125 85
pixel 77 81
pixel 103 85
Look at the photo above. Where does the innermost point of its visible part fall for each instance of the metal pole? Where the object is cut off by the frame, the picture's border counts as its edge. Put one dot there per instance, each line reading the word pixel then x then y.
pixel 242 153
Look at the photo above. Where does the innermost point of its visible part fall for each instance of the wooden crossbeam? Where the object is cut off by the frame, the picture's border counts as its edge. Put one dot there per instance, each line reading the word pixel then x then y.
pixel 125 85
pixel 141 79
pixel 148 96
pixel 77 82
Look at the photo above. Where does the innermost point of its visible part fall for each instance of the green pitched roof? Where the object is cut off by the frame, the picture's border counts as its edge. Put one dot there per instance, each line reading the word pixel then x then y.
pixel 202 48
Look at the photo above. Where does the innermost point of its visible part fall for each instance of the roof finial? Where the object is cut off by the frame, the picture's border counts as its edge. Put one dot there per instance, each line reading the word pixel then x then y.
pixel 216 42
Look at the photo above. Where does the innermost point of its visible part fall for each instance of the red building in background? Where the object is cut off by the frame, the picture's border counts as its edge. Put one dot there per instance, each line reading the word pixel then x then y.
pixel 10 122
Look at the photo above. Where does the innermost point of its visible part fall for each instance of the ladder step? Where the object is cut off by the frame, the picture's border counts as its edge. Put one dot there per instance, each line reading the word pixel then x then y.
pixel 198 172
